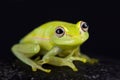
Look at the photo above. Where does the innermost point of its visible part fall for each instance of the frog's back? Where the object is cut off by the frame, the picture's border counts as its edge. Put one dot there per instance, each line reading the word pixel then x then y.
pixel 44 31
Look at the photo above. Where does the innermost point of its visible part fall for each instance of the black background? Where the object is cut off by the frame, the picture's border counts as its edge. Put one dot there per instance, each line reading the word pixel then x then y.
pixel 18 17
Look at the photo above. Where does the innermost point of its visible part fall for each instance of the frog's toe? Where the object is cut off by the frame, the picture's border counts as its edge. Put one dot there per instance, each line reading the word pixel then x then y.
pixel 34 69
pixel 71 65
pixel 93 61
pixel 75 69
pixel 45 70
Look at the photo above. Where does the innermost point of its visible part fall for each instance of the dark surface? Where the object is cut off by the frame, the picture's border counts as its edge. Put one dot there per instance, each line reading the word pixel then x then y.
pixel 16 70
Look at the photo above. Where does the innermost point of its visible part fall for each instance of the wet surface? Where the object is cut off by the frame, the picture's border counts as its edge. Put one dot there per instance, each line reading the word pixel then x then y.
pixel 104 70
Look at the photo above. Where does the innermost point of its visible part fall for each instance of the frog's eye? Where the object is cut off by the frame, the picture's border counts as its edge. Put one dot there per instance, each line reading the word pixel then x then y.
pixel 59 31
pixel 84 26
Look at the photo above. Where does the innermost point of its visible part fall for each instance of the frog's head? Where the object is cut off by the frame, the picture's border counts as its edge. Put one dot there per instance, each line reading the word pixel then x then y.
pixel 68 34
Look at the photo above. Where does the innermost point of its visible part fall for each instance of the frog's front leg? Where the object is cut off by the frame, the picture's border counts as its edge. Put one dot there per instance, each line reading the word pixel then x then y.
pixel 24 51
pixel 52 59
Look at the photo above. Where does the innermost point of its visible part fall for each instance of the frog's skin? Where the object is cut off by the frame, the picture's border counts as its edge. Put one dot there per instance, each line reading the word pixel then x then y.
pixel 57 41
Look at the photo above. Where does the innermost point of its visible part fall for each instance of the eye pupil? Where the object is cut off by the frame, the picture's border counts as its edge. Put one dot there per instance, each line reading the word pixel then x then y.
pixel 85 25
pixel 59 31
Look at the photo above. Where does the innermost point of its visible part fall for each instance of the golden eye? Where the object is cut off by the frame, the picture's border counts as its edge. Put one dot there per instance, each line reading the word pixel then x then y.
pixel 84 26
pixel 60 31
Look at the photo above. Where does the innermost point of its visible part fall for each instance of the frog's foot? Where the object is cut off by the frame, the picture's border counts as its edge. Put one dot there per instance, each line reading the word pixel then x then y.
pixel 35 67
pixel 39 65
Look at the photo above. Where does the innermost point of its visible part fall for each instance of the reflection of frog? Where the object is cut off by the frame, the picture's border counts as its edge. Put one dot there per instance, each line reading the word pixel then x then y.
pixel 58 42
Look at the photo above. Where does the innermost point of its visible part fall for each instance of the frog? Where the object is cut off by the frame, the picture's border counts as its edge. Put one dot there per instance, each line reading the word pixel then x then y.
pixel 56 43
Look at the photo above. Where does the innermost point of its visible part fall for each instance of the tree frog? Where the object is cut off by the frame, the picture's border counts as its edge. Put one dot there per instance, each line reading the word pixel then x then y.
pixel 56 43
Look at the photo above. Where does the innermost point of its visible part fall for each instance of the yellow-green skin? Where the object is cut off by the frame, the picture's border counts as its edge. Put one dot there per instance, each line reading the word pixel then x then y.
pixel 58 51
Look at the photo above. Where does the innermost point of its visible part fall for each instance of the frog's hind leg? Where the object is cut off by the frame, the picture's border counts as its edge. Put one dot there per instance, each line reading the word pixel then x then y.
pixel 24 51
pixel 61 62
